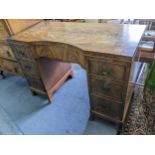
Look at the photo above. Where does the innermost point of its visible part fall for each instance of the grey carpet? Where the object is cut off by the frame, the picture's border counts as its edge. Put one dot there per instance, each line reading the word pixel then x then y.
pixel 6 124
pixel 68 113
pixel 101 127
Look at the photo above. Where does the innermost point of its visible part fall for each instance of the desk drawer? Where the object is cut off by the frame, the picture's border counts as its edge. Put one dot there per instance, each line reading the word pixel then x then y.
pixel 23 52
pixel 108 69
pixel 6 52
pixel 10 66
pixel 107 107
pixel 29 68
pixel 36 83
pixel 108 88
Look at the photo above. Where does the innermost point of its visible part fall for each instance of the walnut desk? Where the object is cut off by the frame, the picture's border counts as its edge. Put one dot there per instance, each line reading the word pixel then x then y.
pixel 108 52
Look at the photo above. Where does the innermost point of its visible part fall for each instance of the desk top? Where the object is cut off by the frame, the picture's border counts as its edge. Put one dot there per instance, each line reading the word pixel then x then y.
pixel 113 39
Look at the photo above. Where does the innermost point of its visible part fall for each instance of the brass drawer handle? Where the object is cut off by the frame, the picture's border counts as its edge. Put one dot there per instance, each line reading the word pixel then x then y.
pixel 21 54
pixel 16 70
pixel 105 71
pixel 8 53
pixel 28 68
pixel 106 87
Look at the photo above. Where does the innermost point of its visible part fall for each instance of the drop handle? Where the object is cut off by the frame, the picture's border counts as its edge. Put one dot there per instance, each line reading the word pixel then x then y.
pixel 8 53
pixel 21 53
pixel 105 71
pixel 16 70
pixel 28 68
pixel 106 87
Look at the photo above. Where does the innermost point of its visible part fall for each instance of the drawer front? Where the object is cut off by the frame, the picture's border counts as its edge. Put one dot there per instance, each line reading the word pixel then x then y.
pixel 22 52
pixel 106 107
pixel 6 52
pixel 10 66
pixel 35 83
pixel 108 88
pixel 108 69
pixel 3 31
pixel 29 68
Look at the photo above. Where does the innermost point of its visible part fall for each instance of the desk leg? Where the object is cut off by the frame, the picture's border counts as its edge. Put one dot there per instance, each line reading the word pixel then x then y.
pixel 119 129
pixel 34 93
pixel 49 98
pixel 71 75
pixel 2 74
pixel 91 117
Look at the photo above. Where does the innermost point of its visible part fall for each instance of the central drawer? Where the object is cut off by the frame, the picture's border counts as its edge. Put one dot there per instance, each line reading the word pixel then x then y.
pixel 109 69
pixel 6 52
pixel 107 88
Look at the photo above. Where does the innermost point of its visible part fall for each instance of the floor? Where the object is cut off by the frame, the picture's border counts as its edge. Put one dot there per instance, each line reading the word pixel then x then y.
pixel 100 127
pixel 22 113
